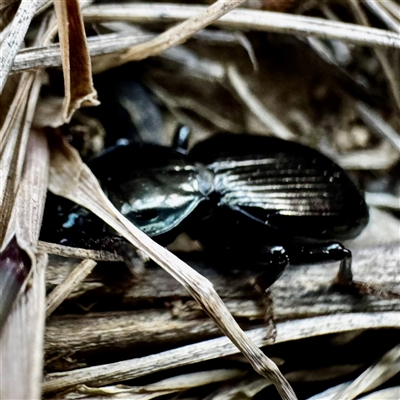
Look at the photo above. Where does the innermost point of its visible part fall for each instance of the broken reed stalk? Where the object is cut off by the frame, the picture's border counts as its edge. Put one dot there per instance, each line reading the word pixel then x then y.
pixel 72 179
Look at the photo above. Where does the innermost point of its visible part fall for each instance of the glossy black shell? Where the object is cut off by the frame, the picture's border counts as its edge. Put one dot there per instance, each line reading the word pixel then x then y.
pixel 155 187
pixel 289 188
pixel 231 191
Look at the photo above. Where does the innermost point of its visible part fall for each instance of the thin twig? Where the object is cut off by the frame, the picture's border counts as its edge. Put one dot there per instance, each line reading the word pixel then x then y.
pixel 393 8
pixel 61 292
pixel 383 370
pixel 50 56
pixel 247 20
pixel 181 32
pixel 380 11
pixel 390 73
pixel 75 252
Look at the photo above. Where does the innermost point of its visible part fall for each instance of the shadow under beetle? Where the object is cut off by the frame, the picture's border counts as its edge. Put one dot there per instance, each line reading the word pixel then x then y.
pixel 252 201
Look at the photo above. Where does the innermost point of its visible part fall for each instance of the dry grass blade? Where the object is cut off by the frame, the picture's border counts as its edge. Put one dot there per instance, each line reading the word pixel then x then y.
pixel 15 36
pixel 220 347
pixel 256 107
pixel 70 178
pixel 49 56
pixel 22 338
pixel 29 204
pixel 19 246
pixel 378 124
pixel 383 200
pixel 170 385
pixel 78 83
pixel 13 140
pixel 392 393
pixel 248 19
pixel 308 327
pixel 61 292
pixel 330 393
pixel 8 8
pixel 383 370
pixel 384 156
pixel 385 16
pixel 391 73
pixel 392 8
pixel 246 389
pixel 182 32
pixel 21 341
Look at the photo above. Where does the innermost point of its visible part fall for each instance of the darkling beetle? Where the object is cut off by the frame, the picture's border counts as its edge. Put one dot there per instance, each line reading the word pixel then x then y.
pixel 253 201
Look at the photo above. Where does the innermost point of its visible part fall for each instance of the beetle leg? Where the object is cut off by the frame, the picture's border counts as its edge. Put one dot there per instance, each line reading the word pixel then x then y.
pixel 345 274
pixel 265 263
pixel 272 261
pixel 319 253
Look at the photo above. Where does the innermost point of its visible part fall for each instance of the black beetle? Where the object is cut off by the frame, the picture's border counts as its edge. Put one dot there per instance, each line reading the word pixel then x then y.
pixel 251 200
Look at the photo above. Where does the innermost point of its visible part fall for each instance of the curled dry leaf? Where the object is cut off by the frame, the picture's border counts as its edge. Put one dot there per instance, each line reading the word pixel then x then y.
pixel 79 90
